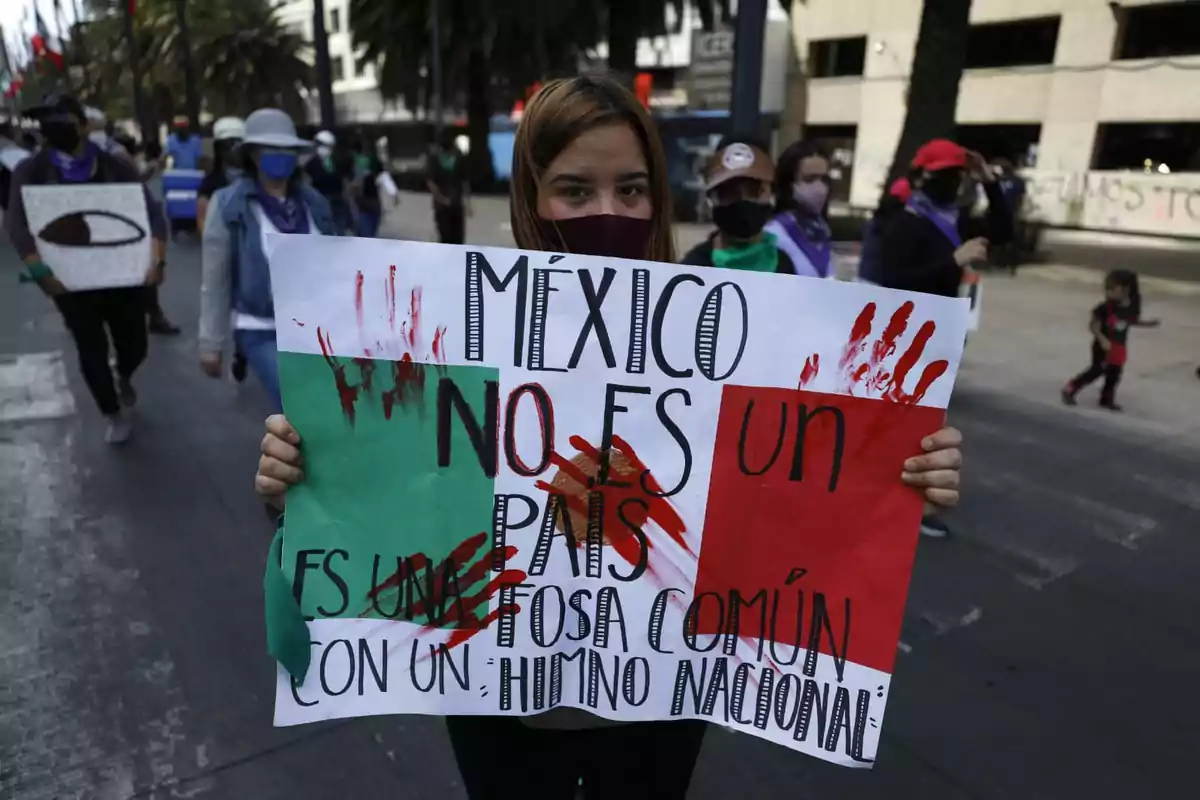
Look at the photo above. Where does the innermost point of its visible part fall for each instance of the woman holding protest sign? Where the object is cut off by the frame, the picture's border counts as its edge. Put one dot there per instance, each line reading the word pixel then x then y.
pixel 589 177
pixel 269 196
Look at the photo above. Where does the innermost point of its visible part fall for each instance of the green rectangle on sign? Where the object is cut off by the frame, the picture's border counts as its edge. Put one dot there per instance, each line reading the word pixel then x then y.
pixel 372 483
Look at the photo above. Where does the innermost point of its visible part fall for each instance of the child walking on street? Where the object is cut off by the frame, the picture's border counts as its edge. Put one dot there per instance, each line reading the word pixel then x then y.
pixel 1111 320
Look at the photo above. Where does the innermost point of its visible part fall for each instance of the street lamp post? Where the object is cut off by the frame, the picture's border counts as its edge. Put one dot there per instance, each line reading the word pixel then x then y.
pixel 747 65
pixel 191 91
pixel 324 73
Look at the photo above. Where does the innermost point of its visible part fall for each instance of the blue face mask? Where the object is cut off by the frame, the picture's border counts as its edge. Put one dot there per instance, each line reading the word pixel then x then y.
pixel 278 165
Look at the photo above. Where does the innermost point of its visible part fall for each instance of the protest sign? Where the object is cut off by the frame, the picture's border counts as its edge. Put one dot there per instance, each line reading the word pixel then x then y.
pixel 648 491
pixel 94 235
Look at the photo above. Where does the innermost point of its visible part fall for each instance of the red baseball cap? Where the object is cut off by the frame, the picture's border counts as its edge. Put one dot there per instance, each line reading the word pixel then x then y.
pixel 940 154
pixel 901 189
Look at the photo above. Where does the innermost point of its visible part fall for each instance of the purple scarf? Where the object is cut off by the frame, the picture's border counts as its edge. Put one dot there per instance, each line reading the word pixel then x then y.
pixel 288 215
pixel 812 235
pixel 75 169
pixel 945 218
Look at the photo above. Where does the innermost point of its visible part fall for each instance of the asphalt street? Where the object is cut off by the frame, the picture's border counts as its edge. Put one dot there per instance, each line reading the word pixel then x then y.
pixel 1049 649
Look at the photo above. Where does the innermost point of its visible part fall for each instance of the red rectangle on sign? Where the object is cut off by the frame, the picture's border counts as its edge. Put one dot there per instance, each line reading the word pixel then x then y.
pixel 807 485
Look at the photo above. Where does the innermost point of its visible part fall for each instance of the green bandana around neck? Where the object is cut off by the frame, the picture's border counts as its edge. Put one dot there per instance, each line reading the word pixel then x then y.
pixel 760 256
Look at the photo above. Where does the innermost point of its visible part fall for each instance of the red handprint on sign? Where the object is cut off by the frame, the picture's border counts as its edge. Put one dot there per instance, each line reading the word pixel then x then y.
pixel 448 594
pixel 864 364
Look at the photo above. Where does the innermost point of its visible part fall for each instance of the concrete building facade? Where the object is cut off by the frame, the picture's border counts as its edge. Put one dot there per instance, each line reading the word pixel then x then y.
pixel 1081 103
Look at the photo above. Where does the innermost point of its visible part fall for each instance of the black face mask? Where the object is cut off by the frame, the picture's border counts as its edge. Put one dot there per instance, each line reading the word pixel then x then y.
pixel 942 187
pixel 612 235
pixel 741 219
pixel 62 136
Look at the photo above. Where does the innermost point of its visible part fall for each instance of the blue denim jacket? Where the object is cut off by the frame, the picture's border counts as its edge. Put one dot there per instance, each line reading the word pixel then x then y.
pixel 250 274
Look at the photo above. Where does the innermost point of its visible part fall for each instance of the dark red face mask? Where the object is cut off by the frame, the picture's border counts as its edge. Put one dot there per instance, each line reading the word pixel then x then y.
pixel 611 235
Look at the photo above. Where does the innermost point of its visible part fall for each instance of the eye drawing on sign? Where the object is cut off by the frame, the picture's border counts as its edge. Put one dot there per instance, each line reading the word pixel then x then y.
pixel 109 230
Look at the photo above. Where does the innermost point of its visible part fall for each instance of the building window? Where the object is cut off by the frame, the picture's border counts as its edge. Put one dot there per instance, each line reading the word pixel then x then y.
pixel 337 68
pixel 1148 146
pixel 1013 44
pixel 1159 31
pixel 835 58
pixel 335 20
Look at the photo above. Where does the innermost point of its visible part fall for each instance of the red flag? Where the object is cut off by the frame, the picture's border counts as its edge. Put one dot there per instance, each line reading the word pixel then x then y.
pixel 642 85
pixel 41 43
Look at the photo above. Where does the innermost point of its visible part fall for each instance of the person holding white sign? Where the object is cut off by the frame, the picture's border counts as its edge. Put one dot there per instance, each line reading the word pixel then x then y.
pixel 96 260
pixel 589 177
pixel 269 195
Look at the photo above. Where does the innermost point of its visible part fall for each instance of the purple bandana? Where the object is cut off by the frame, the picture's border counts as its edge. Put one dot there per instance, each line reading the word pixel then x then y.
pixel 946 219
pixel 812 235
pixel 76 169
pixel 288 215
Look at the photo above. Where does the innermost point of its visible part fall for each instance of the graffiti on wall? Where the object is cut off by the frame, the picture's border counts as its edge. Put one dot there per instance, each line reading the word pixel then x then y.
pixel 1130 202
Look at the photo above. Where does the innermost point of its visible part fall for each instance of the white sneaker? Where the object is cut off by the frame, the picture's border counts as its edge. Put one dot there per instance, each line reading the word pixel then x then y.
pixel 120 428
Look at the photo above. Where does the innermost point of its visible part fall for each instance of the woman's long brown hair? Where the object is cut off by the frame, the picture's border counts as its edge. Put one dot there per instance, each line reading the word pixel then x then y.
pixel 558 114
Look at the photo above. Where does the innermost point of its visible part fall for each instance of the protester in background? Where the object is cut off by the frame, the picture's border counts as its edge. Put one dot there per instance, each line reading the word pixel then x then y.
pixel 271 195
pixel 589 177
pixel 331 180
pixel 149 165
pixel 1111 321
pixel 103 132
pixel 800 226
pixel 1014 188
pixel 446 181
pixel 738 181
pixel 228 133
pixel 923 249
pixel 368 171
pixel 870 262
pixel 185 148
pixel 93 316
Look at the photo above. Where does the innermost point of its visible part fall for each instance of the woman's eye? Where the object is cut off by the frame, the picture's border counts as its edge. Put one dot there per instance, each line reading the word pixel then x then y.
pixel 633 190
pixel 577 192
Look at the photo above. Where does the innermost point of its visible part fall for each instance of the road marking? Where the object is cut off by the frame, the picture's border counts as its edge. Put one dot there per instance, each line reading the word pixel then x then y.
pixel 1108 523
pixel 34 386
pixel 944 624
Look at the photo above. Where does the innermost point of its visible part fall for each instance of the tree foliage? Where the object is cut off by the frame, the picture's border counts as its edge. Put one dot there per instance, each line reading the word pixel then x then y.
pixel 243 55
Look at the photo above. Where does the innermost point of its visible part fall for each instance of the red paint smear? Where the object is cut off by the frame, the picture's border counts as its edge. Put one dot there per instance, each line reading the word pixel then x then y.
pixel 298 322
pixel 658 510
pixel 346 393
pixel 468 624
pixel 358 299
pixel 894 330
pixel 439 345
pixel 414 319
pixel 911 356
pixel 366 369
pixel 859 373
pixel 858 334
pixel 389 292
pixel 408 385
pixel 812 365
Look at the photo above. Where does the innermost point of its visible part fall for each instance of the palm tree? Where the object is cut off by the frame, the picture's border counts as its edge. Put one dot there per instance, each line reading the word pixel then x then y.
pixel 490 51
pixel 937 69
pixel 247 58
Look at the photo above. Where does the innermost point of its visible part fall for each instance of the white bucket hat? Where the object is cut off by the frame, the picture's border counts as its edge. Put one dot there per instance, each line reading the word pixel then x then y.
pixel 229 128
pixel 270 127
